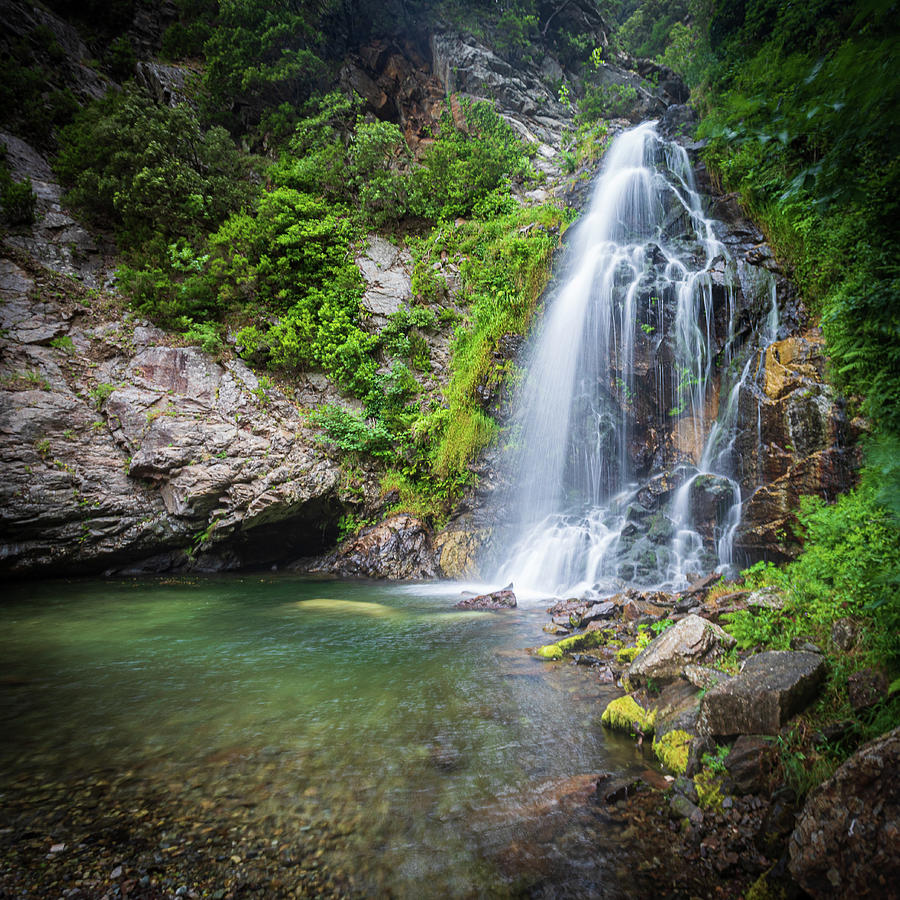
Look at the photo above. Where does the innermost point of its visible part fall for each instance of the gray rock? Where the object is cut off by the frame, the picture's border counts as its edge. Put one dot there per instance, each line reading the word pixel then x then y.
pixel 770 688
pixel 398 548
pixel 503 599
pixel 604 610
pixel 682 808
pixel 692 640
pixel 749 763
pixel 846 837
pixel 705 677
pixel 386 270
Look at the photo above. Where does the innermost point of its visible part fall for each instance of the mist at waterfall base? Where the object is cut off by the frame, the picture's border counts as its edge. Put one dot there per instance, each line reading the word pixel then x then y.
pixel 621 459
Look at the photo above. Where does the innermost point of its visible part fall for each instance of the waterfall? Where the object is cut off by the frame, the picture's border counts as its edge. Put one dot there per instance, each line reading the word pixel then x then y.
pixel 621 456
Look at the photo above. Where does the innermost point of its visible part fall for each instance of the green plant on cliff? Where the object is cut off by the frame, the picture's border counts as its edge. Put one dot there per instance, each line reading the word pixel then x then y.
pixel 151 172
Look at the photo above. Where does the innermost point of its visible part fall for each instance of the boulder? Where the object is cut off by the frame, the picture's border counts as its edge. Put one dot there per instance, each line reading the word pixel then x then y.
pixel 398 548
pixel 769 689
pixel 692 640
pixel 846 837
pixel 749 763
pixel 502 599
pixel 865 688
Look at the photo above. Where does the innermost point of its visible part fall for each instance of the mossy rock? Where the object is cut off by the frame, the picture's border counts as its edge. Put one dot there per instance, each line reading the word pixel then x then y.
pixel 709 789
pixel 627 654
pixel 672 750
pixel 573 644
pixel 623 714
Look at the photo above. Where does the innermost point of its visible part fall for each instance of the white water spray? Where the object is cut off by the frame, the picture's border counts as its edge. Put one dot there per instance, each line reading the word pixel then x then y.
pixel 625 359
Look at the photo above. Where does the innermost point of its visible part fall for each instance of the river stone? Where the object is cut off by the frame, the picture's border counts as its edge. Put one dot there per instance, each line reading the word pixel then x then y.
pixel 504 599
pixel 769 689
pixel 604 610
pixel 692 640
pixel 846 838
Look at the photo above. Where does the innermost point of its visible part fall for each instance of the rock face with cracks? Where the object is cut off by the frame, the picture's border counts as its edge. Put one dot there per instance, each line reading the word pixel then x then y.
pixel 846 837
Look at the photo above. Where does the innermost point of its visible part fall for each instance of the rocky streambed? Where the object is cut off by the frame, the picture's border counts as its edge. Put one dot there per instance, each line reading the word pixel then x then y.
pixel 726 820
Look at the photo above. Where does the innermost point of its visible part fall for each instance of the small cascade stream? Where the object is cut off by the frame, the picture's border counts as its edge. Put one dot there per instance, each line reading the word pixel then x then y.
pixel 623 465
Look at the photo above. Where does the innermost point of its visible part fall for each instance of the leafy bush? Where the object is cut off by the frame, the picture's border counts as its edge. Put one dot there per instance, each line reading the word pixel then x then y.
pixel 17 199
pixel 149 170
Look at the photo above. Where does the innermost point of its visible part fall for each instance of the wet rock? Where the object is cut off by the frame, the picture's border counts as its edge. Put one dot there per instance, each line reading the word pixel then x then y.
pixel 802 444
pixel 398 548
pixel 457 552
pixel 599 611
pixel 692 640
pixel 704 677
pixel 846 838
pixel 749 764
pixel 770 688
pixel 866 688
pixel 682 808
pixel 778 823
pixel 503 599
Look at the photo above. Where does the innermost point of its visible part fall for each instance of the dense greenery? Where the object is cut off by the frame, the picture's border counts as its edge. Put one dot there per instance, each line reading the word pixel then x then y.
pixel 799 106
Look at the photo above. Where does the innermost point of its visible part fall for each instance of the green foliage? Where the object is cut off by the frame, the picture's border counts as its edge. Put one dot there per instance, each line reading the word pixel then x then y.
pixel 352 433
pixel 806 137
pixel 606 101
pixel 849 567
pixel 466 164
pixel 260 54
pixel 17 199
pixel 149 170
pixel 120 58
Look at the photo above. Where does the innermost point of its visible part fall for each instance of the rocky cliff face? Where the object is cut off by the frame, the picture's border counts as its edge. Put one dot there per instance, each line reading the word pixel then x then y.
pixel 125 452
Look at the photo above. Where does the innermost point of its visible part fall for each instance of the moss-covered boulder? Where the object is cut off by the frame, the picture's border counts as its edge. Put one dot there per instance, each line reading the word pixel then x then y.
pixel 626 714
pixel 573 644
pixel 672 750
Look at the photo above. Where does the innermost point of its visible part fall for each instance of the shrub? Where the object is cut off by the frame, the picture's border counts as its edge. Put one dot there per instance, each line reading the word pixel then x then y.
pixel 149 170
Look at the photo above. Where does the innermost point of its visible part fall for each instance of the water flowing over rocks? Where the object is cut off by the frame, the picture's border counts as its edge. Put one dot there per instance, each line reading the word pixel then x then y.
pixel 846 838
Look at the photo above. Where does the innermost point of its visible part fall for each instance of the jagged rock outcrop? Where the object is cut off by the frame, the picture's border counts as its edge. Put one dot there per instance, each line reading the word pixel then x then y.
pixel 120 449
pixel 846 838
pixel 399 548
pixel 803 444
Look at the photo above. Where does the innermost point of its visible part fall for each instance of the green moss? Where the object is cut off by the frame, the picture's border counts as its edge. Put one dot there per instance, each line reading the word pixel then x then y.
pixel 573 644
pixel 672 750
pixel 624 713
pixel 627 654
pixel 763 889
pixel 709 789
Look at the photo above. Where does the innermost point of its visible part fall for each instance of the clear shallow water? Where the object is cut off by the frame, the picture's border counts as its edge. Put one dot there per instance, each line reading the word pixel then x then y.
pixel 422 740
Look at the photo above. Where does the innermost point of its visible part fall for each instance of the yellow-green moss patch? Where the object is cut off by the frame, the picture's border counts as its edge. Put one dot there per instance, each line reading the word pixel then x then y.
pixel 572 644
pixel 627 654
pixel 625 713
pixel 709 789
pixel 672 750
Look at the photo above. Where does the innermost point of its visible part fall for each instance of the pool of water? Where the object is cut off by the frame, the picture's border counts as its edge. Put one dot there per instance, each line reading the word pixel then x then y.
pixel 367 733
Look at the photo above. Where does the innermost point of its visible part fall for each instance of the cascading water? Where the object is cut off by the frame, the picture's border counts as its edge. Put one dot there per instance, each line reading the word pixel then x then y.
pixel 624 469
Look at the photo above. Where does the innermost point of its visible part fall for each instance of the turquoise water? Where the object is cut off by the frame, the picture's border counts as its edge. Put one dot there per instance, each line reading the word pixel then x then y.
pixel 422 741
